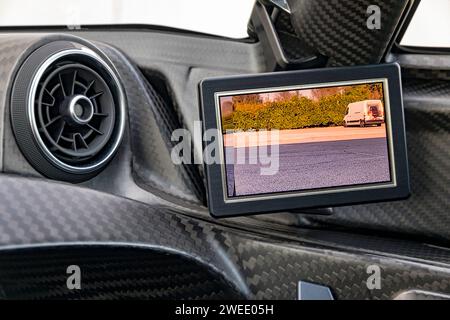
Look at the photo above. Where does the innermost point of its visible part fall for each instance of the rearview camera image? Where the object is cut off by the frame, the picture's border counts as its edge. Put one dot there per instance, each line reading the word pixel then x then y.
pixel 312 138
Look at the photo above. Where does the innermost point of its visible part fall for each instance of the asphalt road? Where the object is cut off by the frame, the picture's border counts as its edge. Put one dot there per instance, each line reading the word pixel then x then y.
pixel 311 165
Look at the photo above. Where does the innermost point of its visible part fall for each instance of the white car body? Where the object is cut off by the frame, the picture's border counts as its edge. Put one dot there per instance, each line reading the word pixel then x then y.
pixel 362 113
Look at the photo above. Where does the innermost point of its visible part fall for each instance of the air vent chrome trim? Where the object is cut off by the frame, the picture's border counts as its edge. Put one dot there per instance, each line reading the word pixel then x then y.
pixel 32 119
pixel 73 113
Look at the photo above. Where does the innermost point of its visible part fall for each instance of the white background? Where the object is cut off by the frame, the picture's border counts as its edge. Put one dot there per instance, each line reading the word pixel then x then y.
pixel 222 17
pixel 430 26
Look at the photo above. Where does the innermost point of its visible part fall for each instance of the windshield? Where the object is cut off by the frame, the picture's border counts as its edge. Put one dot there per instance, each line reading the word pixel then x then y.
pixel 227 18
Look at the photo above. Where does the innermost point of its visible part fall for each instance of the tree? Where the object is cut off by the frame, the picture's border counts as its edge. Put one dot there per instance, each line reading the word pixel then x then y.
pixel 376 91
pixel 319 93
pixel 247 98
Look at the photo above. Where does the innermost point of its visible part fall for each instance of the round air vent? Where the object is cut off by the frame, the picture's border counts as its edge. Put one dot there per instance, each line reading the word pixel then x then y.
pixel 67 110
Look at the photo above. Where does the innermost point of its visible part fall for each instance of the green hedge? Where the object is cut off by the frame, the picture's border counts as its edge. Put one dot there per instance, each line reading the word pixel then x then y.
pixel 298 112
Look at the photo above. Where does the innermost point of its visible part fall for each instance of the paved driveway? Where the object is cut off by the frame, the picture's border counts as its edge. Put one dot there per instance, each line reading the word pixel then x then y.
pixel 312 165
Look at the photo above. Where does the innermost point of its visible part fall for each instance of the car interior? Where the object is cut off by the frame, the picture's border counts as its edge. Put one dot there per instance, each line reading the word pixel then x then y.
pixel 87 115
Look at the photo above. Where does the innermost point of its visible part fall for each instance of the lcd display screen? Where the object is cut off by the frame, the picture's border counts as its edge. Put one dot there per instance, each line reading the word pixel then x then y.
pixel 304 139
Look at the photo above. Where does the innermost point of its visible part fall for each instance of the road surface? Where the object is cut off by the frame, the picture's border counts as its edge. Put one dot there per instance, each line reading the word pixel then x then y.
pixel 259 138
pixel 310 165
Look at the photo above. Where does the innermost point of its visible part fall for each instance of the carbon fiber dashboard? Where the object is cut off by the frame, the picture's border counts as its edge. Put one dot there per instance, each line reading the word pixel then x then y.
pixel 109 273
pixel 257 264
pixel 426 213
pixel 142 200
pixel 402 217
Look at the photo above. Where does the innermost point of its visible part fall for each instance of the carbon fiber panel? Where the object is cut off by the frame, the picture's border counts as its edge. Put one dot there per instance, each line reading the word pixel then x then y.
pixel 338 30
pixel 427 212
pixel 12 49
pixel 262 260
pixel 260 266
pixel 411 217
pixel 108 273
pixel 292 44
pixel 149 140
pixel 184 61
pixel 151 126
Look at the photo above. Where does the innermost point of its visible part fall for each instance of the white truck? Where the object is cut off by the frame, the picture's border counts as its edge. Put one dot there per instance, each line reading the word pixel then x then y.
pixel 363 113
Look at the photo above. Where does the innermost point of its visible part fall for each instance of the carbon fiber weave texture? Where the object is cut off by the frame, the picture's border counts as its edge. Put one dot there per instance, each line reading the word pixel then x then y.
pixel 152 157
pixel 12 49
pixel 108 273
pixel 427 74
pixel 413 216
pixel 295 49
pixel 38 212
pixel 184 61
pixel 338 30
pixel 151 127
pixel 427 212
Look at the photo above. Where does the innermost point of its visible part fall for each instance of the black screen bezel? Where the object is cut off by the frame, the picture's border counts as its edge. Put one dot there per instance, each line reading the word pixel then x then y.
pixel 217 205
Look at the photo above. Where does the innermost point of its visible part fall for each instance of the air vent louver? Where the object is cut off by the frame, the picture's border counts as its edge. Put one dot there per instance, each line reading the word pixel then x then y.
pixel 73 111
